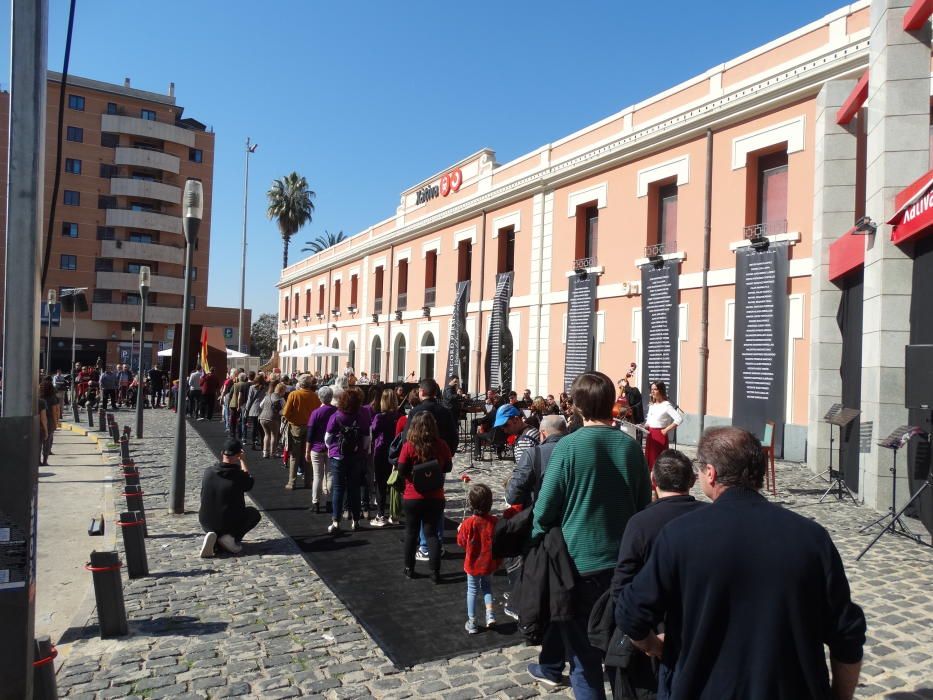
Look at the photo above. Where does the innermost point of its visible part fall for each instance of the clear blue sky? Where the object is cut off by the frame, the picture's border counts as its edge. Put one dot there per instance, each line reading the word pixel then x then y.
pixel 366 99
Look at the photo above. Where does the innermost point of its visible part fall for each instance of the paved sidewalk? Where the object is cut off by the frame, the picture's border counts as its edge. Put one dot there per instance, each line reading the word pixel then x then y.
pixel 264 625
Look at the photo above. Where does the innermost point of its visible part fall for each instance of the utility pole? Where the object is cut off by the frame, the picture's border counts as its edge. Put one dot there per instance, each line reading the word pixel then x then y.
pixel 19 424
pixel 250 148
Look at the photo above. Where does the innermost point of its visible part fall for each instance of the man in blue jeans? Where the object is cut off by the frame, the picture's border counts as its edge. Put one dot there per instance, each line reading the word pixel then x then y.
pixel 596 480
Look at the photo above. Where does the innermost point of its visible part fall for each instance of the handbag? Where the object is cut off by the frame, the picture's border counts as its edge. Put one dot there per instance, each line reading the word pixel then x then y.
pixel 427 477
pixel 393 479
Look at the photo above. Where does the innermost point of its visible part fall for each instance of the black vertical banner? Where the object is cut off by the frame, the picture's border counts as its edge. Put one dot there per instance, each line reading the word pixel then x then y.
pixel 499 344
pixel 760 340
pixel 660 327
pixel 581 327
pixel 457 322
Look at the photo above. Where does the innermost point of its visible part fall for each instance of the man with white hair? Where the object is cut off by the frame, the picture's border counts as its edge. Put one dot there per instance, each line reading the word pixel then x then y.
pixel 297 411
pixel 529 469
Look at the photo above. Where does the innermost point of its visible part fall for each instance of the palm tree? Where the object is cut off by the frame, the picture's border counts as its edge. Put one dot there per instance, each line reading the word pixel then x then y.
pixel 323 242
pixel 290 205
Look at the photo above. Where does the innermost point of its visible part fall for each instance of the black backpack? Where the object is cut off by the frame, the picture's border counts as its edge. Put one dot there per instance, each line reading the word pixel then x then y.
pixel 348 440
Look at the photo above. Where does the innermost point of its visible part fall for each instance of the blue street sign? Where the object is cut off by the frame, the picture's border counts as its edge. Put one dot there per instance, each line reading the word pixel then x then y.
pixel 56 314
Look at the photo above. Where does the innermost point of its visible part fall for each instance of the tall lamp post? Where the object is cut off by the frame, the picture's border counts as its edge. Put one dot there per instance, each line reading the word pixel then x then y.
pixel 192 211
pixel 250 148
pixel 48 342
pixel 74 300
pixel 143 296
pixel 132 345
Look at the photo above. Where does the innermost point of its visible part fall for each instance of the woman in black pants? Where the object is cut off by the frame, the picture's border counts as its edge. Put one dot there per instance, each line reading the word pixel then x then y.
pixel 383 431
pixel 423 510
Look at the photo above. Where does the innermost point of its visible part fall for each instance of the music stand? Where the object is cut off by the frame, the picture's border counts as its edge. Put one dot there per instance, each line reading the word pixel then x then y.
pixel 837 484
pixel 831 413
pixel 896 526
pixel 633 430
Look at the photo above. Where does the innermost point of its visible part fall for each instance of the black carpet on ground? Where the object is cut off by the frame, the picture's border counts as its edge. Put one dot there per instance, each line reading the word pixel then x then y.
pixel 413 621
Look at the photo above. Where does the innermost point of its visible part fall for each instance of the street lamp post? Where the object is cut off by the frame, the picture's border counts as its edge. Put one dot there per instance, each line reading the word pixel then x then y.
pixel 250 148
pixel 48 342
pixel 132 345
pixel 143 295
pixel 192 211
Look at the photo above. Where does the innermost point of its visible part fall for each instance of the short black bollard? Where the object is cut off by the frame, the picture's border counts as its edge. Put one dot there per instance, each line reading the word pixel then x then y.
pixel 108 590
pixel 134 501
pixel 124 449
pixel 127 432
pixel 114 434
pixel 43 670
pixel 131 477
pixel 102 420
pixel 90 416
pixel 134 543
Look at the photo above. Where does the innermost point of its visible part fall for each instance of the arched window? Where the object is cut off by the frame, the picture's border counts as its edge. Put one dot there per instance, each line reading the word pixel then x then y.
pixel 375 359
pixel 428 350
pixel 351 358
pixel 399 353
pixel 294 361
pixel 319 365
pixel 335 361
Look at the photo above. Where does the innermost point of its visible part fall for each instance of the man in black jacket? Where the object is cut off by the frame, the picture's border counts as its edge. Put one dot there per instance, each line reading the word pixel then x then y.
pixel 446 424
pixel 224 515
pixel 749 592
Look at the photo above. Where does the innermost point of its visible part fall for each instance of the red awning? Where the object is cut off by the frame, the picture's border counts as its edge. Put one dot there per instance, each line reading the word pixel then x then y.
pixel 914 214
pixel 917 14
pixel 846 253
pixel 854 101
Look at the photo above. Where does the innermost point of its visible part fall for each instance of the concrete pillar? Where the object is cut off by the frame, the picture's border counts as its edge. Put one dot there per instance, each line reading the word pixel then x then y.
pixel 833 215
pixel 897 154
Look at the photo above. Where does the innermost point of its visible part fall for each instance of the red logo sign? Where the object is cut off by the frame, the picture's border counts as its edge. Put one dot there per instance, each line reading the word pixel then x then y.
pixel 450 182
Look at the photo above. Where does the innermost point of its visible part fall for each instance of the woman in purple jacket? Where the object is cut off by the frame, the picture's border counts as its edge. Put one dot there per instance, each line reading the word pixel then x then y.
pixel 383 431
pixel 347 440
pixel 316 450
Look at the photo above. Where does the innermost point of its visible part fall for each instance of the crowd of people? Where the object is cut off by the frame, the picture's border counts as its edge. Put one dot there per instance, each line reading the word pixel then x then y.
pixel 612 566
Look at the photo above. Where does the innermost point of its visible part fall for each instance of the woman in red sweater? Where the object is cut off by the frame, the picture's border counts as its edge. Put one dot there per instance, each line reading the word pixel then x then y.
pixel 475 536
pixel 422 509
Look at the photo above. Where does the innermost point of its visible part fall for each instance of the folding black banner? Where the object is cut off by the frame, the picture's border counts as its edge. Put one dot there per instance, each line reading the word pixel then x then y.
pixel 581 327
pixel 455 358
pixel 760 340
pixel 499 343
pixel 660 326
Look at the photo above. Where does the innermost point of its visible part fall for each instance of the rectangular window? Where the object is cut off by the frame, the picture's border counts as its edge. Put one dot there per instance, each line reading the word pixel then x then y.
pixel 464 260
pixel 108 171
pixel 195 155
pixel 193 303
pixel 75 133
pixel 111 108
pixel 137 237
pixel 140 206
pixel 131 298
pixel 109 140
pixel 430 278
pixel 772 192
pixel 133 267
pixel 72 198
pixel 379 276
pixel 307 303
pixel 320 299
pixel 103 296
pixel 506 250
pixel 194 273
pixel 143 176
pixel 285 315
pixel 73 166
pixel 148 115
pixel 667 217
pixel 336 298
pixel 296 305
pixel 68 262
pixel 354 288
pixel 76 102
pixel 69 229
pixel 402 303
pixel 106 233
pixel 103 265
pixel 105 201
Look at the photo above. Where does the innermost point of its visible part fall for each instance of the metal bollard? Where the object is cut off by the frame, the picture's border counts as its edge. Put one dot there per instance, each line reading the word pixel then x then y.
pixel 127 432
pixel 43 670
pixel 108 590
pixel 101 420
pixel 134 543
pixel 90 416
pixel 114 434
pixel 134 501
pixel 125 449
pixel 130 477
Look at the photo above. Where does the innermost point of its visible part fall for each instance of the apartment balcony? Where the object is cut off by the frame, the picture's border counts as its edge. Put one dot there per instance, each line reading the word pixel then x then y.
pixel 129 281
pixel 430 296
pixel 151 220
pixel 147 158
pixel 129 313
pixel 402 302
pixel 143 251
pixel 119 124
pixel 130 187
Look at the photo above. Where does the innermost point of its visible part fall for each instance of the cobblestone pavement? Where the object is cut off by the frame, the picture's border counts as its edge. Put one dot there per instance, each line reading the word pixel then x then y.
pixel 264 625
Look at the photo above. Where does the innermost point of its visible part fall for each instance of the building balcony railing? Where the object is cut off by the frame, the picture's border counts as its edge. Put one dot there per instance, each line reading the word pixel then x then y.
pixel 131 187
pixel 584 263
pixel 147 158
pixel 156 252
pixel 147 128
pixel 430 296
pixel 762 230
pixel 129 281
pixel 151 220
pixel 402 303
pixel 377 305
pixel 656 250
pixel 128 313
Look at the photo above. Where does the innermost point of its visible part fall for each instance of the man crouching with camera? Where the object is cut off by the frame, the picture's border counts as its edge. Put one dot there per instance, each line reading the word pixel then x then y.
pixel 224 514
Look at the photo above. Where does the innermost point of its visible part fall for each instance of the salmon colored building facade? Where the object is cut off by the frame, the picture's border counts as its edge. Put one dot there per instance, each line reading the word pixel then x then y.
pixel 733 161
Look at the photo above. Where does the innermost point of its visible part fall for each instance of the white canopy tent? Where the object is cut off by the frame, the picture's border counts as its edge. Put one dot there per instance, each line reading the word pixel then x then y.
pixel 315 351
pixel 230 353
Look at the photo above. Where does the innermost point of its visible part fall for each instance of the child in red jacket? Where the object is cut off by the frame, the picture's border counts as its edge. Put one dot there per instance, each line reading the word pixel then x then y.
pixel 475 536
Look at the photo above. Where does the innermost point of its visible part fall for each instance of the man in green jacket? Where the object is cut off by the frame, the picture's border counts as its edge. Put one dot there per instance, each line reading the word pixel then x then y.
pixel 595 481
